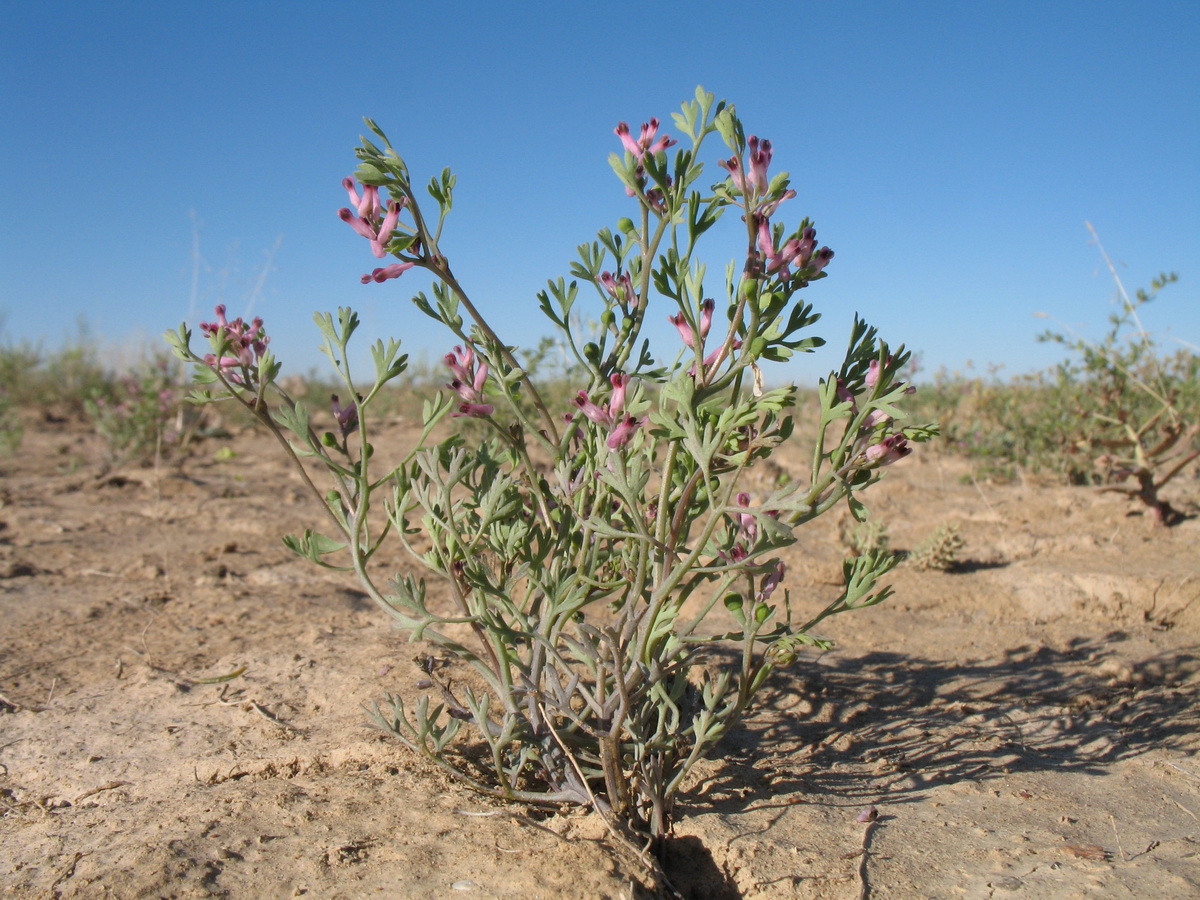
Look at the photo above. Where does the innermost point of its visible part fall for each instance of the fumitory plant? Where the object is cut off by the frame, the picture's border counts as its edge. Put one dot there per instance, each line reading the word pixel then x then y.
pixel 602 591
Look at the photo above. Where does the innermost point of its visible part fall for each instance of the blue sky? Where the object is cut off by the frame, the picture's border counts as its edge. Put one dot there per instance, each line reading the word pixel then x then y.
pixel 949 152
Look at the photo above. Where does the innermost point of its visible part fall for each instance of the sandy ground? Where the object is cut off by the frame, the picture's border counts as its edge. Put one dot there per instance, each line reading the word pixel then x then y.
pixel 1026 726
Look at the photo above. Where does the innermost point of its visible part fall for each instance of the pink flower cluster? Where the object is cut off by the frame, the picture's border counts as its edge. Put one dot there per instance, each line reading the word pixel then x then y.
pixel 744 538
pixel 892 447
pixel 244 344
pixel 648 141
pixel 468 382
pixel 798 251
pixel 619 288
pixel 621 427
pixel 756 173
pixel 688 335
pixel 376 226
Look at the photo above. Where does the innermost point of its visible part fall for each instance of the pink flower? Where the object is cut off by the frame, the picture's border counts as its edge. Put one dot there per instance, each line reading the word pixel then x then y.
pixel 875 417
pixel 888 450
pixel 746 524
pixel 617 401
pixel 706 314
pixel 368 204
pixel 760 159
pixel 248 342
pixel 468 382
pixel 474 410
pixel 369 222
pixel 872 374
pixel 382 274
pixel 609 415
pixel 379 245
pixel 685 330
pixel 766 210
pixel 620 289
pixel 347 418
pixel 461 362
pixel 771 580
pixel 624 432
pixel 360 225
pixel 821 259
pixel 591 410
pixel 782 259
pixel 736 175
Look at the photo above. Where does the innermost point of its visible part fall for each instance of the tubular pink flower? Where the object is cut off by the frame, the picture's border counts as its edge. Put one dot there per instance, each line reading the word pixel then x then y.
pixel 736 554
pixel 591 410
pixel 746 524
pixel 821 259
pixel 872 374
pixel 380 242
pixel 875 417
pixel 734 166
pixel 225 362
pixel 624 432
pixel 766 243
pixel 370 205
pixel 622 131
pixel 777 260
pixel 346 417
pixel 706 314
pixel 468 382
pixel 382 274
pixel 360 225
pixel 772 580
pixel 684 329
pixel 760 159
pixel 768 209
pixel 617 402
pixel 808 241
pixel 888 450
pixel 367 204
pixel 474 410
pixel 462 363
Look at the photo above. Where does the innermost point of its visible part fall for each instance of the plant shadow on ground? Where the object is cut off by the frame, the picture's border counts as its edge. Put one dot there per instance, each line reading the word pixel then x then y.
pixel 851 731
